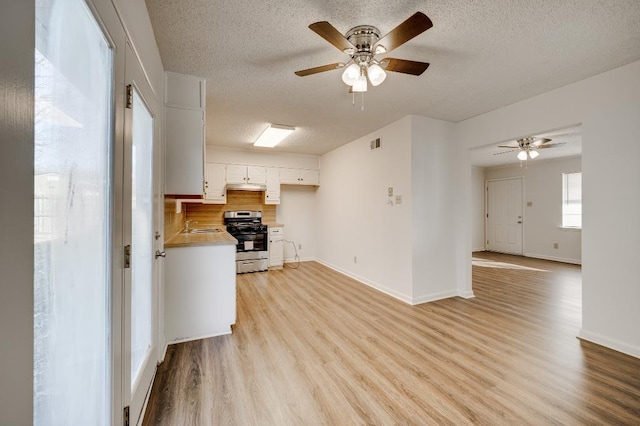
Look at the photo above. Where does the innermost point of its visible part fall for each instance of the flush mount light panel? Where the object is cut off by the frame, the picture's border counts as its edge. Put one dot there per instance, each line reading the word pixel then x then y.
pixel 273 135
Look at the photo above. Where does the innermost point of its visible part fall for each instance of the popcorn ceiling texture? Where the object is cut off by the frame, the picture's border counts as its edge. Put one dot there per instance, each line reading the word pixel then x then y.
pixel 483 55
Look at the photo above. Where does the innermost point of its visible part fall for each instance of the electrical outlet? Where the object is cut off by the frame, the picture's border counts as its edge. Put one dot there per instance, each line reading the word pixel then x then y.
pixel 555 245
pixel 529 203
pixel 390 191
pixel 299 246
pixel 398 199
pixel 355 259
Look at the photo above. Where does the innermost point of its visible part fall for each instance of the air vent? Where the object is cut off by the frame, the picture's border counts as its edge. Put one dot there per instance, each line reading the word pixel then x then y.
pixel 375 144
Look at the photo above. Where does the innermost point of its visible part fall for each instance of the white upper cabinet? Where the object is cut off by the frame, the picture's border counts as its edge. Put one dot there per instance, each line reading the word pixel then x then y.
pixel 272 194
pixel 238 174
pixel 299 177
pixel 184 134
pixel 215 183
pixel 184 91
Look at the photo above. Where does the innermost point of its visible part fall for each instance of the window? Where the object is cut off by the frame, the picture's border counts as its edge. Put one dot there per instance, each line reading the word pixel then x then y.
pixel 572 200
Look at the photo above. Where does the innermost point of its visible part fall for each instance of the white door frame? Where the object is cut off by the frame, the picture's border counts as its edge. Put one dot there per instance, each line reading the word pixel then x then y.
pixel 135 75
pixel 486 209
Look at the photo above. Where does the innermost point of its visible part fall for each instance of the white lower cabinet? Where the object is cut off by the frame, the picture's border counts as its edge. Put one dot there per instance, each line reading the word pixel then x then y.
pixel 200 292
pixel 276 248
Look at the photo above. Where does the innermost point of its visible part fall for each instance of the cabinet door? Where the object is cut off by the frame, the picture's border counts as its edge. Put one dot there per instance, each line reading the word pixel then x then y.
pixel 309 177
pixel 215 183
pixel 184 173
pixel 256 174
pixel 289 176
pixel 184 91
pixel 236 173
pixel 276 254
pixel 272 194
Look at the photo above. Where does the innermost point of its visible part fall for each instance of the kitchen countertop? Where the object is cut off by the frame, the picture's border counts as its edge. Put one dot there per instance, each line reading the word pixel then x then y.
pixel 273 224
pixel 209 239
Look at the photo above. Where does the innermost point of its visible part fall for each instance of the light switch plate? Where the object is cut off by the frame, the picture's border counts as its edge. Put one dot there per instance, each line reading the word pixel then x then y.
pixel 390 191
pixel 398 199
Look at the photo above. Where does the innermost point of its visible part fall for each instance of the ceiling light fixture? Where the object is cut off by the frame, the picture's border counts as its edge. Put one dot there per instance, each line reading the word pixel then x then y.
pixel 376 74
pixel 273 135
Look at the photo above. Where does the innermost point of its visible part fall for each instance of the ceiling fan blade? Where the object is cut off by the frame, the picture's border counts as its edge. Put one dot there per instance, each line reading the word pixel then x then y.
pixel 508 146
pixel 333 36
pixel 553 145
pixel 540 141
pixel 316 70
pixel 506 152
pixel 404 66
pixel 415 25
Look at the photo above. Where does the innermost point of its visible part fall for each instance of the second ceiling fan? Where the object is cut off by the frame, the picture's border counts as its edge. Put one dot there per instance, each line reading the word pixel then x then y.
pixel 363 43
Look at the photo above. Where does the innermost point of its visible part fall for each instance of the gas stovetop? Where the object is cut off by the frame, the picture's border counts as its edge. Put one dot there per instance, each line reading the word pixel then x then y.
pixel 244 221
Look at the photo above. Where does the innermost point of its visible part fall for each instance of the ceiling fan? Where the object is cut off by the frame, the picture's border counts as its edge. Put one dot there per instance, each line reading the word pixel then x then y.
pixel 363 43
pixel 528 147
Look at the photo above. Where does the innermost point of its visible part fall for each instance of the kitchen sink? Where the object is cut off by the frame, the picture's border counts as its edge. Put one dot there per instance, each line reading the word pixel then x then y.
pixel 205 231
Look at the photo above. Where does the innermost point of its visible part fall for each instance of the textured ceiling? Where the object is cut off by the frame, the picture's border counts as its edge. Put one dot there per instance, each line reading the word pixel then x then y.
pixel 484 54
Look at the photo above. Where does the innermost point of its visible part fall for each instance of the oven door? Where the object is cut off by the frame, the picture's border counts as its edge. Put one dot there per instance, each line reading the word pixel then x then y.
pixel 252 241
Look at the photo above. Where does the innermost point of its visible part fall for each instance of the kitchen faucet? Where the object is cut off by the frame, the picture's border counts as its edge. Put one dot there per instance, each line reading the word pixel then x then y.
pixel 186 225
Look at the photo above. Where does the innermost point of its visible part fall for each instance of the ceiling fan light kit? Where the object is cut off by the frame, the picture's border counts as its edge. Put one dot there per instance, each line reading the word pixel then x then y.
pixel 273 135
pixel 363 43
pixel 528 147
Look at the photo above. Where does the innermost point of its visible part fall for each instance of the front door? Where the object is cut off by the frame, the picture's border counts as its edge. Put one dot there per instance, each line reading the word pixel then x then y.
pixel 504 216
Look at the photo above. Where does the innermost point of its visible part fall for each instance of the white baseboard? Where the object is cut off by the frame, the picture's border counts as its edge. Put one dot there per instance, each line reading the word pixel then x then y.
pixel 433 297
pixel 466 294
pixel 198 337
pixel 616 345
pixel 553 258
pixel 369 283
pixel 477 249
pixel 302 259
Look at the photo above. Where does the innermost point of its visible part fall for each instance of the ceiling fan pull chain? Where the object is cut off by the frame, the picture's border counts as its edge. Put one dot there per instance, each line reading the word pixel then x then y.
pixel 362 102
pixel 353 99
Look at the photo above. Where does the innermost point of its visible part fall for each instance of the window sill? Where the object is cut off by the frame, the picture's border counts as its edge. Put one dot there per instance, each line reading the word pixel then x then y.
pixel 569 228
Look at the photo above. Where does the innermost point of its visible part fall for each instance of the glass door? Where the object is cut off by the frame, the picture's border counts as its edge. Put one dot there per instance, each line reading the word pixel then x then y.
pixel 73 220
pixel 140 291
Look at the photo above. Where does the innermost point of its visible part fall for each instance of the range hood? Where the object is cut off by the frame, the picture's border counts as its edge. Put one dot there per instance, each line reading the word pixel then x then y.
pixel 246 186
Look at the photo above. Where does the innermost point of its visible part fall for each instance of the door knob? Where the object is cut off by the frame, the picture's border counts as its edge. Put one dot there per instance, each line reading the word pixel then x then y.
pixel 161 254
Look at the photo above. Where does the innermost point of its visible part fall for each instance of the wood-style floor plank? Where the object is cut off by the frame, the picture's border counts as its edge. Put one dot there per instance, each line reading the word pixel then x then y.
pixel 312 346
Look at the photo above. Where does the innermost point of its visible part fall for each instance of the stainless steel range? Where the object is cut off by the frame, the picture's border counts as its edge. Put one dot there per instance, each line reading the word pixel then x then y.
pixel 252 251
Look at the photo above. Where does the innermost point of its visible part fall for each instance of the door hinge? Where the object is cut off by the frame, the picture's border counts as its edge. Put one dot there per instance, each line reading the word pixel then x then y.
pixel 129 96
pixel 127 256
pixel 125 416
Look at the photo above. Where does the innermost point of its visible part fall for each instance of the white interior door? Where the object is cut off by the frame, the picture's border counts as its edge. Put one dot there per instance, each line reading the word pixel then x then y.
pixel 140 287
pixel 504 216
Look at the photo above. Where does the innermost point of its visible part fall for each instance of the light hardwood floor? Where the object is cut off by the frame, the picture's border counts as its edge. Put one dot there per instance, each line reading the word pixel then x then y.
pixel 313 347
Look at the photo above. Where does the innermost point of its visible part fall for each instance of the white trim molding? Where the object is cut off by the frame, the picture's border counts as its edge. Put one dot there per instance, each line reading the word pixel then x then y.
pixel 554 258
pixel 607 342
pixel 374 285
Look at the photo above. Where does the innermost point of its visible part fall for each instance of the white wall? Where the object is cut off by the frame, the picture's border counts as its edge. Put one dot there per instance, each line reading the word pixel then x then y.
pixel 298 212
pixel 542 182
pixel 17 43
pixel 220 154
pixel 433 183
pixel 608 107
pixel 355 218
pixel 477 209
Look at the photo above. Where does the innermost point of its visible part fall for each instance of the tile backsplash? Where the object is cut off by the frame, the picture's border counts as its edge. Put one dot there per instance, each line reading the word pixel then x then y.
pixel 213 214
